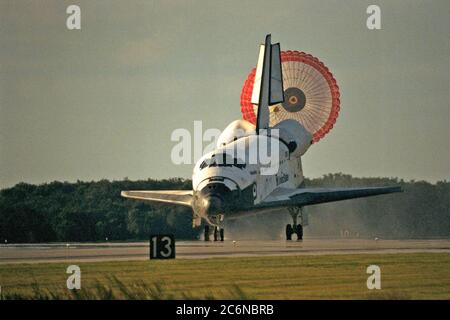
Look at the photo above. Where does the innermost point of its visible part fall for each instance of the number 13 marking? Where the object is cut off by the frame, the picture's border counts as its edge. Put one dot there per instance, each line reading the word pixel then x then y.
pixel 162 247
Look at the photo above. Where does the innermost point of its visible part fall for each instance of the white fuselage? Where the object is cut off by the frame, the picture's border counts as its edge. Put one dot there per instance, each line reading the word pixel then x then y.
pixel 232 173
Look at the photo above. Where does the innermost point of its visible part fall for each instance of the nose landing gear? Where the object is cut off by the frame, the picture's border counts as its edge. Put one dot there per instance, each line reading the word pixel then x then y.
pixel 219 233
pixel 206 232
pixel 295 212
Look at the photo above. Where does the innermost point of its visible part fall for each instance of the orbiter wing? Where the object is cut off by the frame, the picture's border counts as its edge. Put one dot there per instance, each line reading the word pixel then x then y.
pixel 309 196
pixel 177 197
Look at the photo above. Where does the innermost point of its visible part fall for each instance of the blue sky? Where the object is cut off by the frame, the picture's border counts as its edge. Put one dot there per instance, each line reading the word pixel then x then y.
pixel 102 102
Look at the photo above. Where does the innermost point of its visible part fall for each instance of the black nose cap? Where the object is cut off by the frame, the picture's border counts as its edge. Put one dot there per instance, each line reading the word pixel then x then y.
pixel 213 205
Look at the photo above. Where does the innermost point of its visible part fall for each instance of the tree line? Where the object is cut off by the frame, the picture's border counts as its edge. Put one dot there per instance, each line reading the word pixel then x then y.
pixel 95 211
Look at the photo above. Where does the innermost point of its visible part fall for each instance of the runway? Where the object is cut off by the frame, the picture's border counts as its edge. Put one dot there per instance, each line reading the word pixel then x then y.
pixel 83 252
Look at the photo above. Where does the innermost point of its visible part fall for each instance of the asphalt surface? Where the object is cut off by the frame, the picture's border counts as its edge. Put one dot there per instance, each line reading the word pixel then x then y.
pixel 36 253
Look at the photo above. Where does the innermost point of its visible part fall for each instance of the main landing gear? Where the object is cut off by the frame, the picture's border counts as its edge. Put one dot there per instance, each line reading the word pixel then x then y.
pixel 295 228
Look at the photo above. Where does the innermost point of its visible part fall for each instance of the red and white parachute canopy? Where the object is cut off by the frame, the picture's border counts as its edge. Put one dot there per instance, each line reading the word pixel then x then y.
pixel 311 95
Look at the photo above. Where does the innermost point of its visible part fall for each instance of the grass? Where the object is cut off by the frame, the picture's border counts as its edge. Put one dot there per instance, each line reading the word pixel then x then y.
pixel 403 276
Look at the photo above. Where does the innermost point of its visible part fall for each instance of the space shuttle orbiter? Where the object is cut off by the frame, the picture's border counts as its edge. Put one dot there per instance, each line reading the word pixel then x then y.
pixel 291 99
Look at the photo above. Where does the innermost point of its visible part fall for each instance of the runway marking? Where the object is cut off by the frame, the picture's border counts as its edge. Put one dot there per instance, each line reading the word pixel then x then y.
pixel 40 253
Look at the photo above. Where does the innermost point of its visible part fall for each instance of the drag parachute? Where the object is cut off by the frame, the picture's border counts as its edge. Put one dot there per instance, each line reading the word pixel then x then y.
pixel 311 95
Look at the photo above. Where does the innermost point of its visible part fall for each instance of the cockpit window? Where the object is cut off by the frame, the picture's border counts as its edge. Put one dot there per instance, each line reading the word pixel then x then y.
pixel 203 165
pixel 222 160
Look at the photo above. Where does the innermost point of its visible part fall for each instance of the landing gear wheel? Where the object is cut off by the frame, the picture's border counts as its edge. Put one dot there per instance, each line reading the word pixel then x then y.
pixel 206 233
pixel 289 232
pixel 216 233
pixel 295 212
pixel 222 234
pixel 299 232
